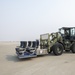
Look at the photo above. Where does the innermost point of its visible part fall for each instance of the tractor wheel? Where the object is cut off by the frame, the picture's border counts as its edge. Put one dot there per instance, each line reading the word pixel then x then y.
pixel 73 48
pixel 58 49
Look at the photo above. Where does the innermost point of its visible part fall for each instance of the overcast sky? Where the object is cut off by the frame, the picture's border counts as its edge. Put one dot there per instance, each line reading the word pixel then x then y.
pixel 27 19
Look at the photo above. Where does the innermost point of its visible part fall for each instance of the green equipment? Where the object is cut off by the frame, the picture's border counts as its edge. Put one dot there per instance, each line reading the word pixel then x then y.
pixel 63 40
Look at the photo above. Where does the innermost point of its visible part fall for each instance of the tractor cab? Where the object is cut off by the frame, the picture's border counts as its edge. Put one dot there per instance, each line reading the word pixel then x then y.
pixel 68 33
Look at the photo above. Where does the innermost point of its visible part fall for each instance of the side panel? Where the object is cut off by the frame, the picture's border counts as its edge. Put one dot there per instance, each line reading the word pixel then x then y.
pixel 41 51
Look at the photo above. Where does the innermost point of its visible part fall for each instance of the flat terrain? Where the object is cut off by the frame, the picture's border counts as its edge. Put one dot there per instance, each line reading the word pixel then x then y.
pixel 42 65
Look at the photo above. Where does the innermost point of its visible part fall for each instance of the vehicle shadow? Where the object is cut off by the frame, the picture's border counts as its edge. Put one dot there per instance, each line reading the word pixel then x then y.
pixel 16 59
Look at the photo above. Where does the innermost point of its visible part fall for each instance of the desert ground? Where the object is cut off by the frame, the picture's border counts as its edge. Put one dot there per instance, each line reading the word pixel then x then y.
pixel 42 65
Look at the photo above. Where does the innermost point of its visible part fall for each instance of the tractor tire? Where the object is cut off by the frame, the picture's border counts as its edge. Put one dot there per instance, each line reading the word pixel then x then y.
pixel 58 49
pixel 73 48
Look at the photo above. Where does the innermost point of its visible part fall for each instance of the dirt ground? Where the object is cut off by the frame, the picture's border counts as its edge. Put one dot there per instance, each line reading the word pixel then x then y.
pixel 42 65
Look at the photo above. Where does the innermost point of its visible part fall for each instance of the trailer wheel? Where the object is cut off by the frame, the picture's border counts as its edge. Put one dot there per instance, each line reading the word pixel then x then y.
pixel 73 48
pixel 58 49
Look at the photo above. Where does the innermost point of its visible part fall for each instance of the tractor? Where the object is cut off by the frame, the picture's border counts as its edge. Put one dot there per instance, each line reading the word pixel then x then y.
pixel 63 40
pixel 68 38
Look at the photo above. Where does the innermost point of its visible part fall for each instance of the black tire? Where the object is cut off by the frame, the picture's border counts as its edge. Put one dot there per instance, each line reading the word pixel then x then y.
pixel 73 48
pixel 58 49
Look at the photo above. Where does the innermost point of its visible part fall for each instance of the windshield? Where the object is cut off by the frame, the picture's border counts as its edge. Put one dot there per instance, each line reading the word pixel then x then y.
pixel 73 32
pixel 61 31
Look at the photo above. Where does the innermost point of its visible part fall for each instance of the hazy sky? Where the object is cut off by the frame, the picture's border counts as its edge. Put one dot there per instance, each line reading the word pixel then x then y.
pixel 27 19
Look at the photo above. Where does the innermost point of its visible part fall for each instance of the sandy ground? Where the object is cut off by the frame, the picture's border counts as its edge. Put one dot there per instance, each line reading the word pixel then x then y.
pixel 43 65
